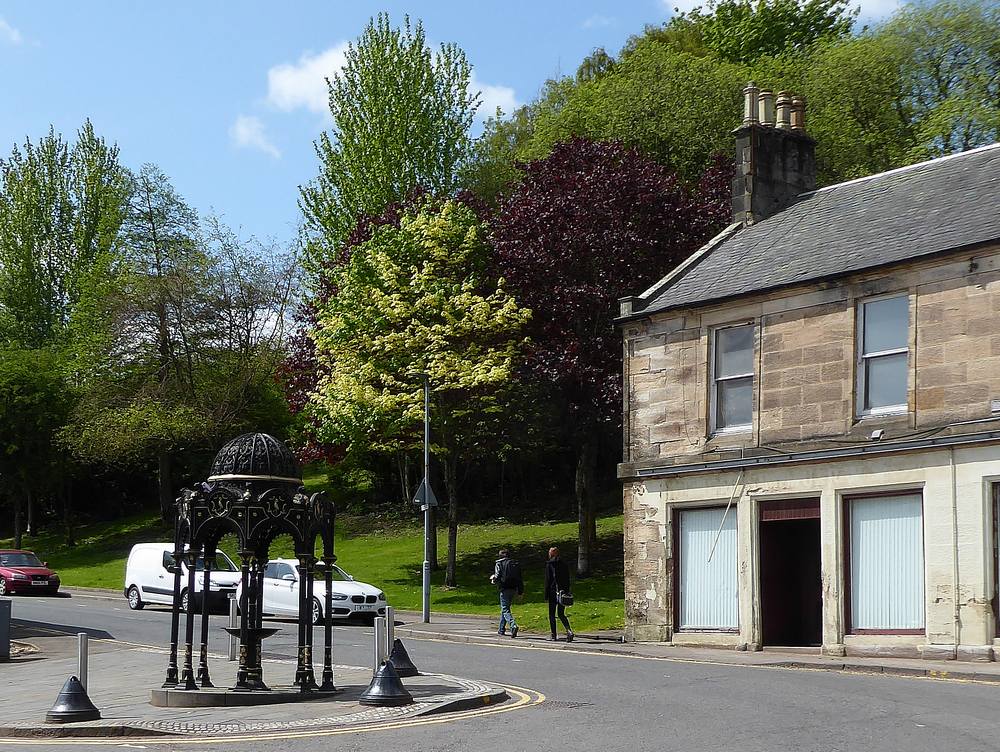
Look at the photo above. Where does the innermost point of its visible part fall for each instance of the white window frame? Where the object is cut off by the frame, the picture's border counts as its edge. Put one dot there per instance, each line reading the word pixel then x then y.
pixel 861 357
pixel 713 396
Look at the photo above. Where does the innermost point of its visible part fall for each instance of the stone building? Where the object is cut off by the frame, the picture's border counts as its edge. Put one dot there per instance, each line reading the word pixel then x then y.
pixel 812 412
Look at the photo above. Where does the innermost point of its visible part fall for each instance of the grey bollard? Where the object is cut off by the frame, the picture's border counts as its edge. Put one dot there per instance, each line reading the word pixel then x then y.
pixel 390 627
pixel 82 657
pixel 234 621
pixel 380 650
pixel 5 604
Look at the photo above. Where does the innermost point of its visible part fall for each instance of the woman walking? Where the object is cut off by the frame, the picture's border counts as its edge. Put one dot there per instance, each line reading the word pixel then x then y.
pixel 557 584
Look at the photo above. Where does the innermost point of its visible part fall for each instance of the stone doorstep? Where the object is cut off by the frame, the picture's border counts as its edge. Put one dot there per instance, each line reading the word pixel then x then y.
pixel 476 695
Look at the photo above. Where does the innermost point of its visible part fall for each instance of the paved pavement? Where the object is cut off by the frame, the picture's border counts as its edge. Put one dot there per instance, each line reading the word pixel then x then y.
pixel 478 630
pixel 121 681
pixel 597 699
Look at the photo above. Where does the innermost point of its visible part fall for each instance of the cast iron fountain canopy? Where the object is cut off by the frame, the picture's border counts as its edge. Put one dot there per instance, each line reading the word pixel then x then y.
pixel 254 491
pixel 255 457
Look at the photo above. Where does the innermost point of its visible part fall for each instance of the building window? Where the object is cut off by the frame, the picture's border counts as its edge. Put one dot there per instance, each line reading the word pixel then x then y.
pixel 885 540
pixel 732 378
pixel 707 587
pixel 883 350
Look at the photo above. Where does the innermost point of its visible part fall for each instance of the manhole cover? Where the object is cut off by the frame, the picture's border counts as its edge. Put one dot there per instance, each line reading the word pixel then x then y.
pixel 568 705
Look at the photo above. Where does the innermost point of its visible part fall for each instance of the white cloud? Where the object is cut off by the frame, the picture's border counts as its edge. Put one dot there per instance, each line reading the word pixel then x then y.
pixel 597 21
pixel 247 132
pixel 493 97
pixel 303 84
pixel 8 33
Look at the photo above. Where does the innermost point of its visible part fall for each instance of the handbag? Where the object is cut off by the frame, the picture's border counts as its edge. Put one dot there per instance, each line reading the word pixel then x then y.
pixel 564 598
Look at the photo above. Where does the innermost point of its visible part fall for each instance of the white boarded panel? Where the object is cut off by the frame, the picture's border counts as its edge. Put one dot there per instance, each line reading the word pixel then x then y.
pixel 709 593
pixel 887 563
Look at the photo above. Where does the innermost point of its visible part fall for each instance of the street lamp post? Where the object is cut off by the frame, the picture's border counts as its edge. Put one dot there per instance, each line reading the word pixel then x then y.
pixel 427 498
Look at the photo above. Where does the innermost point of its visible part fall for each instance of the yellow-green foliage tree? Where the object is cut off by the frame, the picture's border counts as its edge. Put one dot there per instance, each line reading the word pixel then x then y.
pixel 417 298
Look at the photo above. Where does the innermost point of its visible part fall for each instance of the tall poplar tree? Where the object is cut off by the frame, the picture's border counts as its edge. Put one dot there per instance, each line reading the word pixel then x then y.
pixel 401 115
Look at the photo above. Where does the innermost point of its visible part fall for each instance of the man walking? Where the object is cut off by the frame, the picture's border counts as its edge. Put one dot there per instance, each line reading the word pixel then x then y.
pixel 507 577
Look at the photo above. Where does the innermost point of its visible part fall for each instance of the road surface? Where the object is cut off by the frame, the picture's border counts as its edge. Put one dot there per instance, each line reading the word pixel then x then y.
pixel 605 702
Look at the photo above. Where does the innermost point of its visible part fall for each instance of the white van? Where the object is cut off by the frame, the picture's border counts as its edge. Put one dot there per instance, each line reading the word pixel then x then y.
pixel 149 577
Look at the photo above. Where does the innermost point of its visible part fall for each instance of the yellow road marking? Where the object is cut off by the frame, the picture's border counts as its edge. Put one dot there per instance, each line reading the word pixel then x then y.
pixel 522 698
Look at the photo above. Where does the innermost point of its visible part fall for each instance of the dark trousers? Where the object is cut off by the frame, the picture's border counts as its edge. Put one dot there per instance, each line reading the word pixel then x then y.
pixel 553 607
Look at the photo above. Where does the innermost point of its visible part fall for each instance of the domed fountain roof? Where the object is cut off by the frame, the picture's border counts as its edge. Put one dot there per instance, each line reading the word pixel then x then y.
pixel 255 456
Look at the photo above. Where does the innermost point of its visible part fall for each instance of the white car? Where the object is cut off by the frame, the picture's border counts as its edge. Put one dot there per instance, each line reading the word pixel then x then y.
pixel 350 597
pixel 149 578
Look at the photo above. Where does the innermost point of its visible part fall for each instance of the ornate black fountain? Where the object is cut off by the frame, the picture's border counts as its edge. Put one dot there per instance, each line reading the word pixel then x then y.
pixel 254 491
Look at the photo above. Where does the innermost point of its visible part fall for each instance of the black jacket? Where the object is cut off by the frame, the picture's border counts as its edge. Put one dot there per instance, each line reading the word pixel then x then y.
pixel 556 577
pixel 501 576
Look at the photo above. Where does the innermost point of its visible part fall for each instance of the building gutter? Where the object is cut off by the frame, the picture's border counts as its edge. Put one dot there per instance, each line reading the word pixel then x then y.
pixel 817 455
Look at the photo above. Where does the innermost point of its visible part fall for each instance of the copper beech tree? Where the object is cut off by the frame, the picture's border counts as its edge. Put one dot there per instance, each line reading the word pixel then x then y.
pixel 588 224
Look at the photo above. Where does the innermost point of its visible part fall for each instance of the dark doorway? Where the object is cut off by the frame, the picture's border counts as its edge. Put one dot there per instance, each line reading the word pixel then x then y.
pixel 790 574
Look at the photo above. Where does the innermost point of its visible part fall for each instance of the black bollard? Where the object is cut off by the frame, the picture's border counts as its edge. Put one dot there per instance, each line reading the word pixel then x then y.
pixel 400 660
pixel 386 689
pixel 72 705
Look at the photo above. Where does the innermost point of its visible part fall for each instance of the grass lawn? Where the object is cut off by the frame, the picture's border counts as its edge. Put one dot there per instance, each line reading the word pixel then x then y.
pixel 391 558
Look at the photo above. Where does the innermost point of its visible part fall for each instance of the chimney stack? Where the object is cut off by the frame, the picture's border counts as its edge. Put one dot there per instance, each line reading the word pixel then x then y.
pixel 775 157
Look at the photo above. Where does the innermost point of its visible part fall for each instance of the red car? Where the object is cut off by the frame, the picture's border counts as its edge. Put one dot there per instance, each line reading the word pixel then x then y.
pixel 22 572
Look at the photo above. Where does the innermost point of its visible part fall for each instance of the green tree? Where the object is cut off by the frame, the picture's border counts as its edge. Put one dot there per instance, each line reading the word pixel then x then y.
pixel 743 31
pixel 401 116
pixel 34 403
pixel 194 328
pixel 417 298
pixel 62 205
pixel 61 208
pixel 951 73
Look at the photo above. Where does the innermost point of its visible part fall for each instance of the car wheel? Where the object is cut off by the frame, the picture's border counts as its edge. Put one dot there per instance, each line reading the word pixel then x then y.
pixel 3 586
pixel 185 601
pixel 317 612
pixel 134 599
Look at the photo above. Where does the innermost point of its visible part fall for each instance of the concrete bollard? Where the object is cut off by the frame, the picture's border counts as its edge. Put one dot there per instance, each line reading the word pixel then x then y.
pixel 234 621
pixel 82 658
pixel 379 649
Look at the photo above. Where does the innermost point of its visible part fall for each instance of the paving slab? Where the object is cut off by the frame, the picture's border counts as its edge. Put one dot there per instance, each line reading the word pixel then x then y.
pixel 122 677
pixel 481 630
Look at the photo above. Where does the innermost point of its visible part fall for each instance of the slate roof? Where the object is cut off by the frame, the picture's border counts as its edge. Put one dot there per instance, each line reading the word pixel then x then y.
pixel 914 211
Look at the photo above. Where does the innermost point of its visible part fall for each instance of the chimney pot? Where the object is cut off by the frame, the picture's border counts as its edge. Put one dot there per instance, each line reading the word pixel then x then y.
pixel 774 164
pixel 784 110
pixel 798 114
pixel 750 104
pixel 765 107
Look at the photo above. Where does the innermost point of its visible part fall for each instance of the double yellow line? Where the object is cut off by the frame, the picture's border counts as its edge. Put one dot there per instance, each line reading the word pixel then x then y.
pixel 521 698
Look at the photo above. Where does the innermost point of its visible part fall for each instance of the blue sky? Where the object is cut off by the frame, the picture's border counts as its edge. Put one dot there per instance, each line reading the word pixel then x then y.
pixel 228 97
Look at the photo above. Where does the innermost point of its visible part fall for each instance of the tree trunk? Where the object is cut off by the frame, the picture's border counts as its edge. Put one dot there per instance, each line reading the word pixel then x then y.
pixel 584 487
pixel 165 486
pixel 434 541
pixel 403 472
pixel 451 486
pixel 19 516
pixel 65 495
pixel 30 507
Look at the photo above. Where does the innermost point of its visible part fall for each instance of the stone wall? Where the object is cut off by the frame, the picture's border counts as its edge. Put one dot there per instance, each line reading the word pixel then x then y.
pixel 804 386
